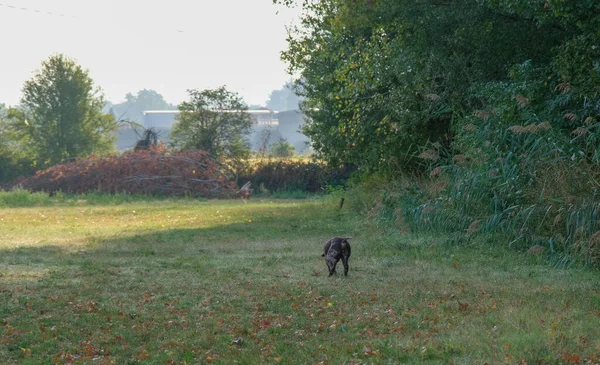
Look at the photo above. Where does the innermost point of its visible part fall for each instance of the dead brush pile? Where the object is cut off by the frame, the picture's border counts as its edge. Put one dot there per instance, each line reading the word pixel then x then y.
pixel 147 172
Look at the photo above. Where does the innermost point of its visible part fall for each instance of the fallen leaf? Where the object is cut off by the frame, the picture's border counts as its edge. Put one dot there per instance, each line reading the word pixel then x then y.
pixel 367 351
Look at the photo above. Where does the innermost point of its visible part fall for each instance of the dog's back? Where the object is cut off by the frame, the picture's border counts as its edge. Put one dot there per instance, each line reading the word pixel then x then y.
pixel 335 249
pixel 337 243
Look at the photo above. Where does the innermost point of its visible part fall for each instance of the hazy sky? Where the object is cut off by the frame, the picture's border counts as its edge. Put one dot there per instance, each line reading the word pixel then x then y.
pixel 128 45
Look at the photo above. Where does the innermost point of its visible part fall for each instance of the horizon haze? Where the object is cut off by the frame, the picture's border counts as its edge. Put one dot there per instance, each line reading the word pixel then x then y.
pixel 132 45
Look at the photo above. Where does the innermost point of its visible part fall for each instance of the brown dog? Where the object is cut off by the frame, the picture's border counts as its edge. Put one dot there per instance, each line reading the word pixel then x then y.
pixel 335 249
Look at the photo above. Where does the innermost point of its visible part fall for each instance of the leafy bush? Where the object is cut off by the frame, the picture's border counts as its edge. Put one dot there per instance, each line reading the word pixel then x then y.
pixel 146 172
pixel 282 148
pixel 12 167
pixel 291 174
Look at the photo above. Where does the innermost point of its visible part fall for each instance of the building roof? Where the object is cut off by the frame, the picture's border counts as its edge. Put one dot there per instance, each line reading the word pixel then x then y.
pixel 267 111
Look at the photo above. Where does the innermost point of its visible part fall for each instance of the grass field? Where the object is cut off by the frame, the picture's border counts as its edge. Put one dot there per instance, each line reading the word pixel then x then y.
pixel 174 282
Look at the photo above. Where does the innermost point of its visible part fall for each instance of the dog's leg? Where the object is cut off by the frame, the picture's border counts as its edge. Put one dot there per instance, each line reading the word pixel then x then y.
pixel 345 262
pixel 333 270
pixel 331 263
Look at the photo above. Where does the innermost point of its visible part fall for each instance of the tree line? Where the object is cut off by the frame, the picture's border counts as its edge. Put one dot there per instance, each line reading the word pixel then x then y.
pixel 63 115
pixel 478 116
pixel 383 79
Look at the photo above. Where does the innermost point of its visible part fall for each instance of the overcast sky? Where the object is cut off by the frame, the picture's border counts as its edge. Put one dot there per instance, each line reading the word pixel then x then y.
pixel 128 45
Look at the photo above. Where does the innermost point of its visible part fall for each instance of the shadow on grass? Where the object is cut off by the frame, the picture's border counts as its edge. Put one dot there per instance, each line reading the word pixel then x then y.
pixel 277 230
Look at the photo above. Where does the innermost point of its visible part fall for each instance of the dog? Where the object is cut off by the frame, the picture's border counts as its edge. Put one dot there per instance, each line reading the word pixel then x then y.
pixel 335 249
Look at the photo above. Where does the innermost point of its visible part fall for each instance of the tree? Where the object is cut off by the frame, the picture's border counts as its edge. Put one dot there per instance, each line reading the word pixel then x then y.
pixel 284 99
pixel 383 78
pixel 282 148
pixel 61 114
pixel 214 121
pixel 133 107
pixel 15 158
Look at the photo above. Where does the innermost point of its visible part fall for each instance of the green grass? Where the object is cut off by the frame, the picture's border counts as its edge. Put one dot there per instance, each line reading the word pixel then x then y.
pixel 22 198
pixel 177 281
pixel 288 194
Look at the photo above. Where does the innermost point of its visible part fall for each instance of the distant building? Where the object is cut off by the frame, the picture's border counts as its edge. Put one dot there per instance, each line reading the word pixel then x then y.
pixel 159 118
pixel 268 127
pixel 166 118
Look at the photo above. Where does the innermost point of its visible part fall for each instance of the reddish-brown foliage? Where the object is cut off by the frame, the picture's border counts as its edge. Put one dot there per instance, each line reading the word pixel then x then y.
pixel 150 172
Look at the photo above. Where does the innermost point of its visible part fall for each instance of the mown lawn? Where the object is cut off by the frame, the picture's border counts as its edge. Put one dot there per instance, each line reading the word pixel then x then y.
pixel 226 281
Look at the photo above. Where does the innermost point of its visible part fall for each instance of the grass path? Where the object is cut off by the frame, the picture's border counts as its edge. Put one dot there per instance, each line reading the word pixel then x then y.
pixel 223 281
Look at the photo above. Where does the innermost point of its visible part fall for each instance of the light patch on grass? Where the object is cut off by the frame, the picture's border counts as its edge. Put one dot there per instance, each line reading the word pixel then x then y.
pixel 10 273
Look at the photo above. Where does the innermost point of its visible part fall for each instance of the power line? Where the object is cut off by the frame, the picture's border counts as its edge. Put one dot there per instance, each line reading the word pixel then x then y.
pixel 49 13
pixel 37 11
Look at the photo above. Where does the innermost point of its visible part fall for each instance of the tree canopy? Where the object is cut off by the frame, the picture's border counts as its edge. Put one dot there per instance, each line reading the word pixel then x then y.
pixel 282 148
pixel 14 159
pixel 134 105
pixel 384 78
pixel 60 115
pixel 284 99
pixel 214 121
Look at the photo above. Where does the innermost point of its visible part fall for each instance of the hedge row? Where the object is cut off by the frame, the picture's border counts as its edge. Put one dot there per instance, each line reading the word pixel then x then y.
pixel 270 175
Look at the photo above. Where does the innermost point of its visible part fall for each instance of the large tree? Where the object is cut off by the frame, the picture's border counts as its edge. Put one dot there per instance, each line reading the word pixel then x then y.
pixel 215 121
pixel 61 113
pixel 15 156
pixel 383 78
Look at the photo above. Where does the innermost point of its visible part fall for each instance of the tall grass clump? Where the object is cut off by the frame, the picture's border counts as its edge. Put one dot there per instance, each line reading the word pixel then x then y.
pixel 23 198
pixel 524 164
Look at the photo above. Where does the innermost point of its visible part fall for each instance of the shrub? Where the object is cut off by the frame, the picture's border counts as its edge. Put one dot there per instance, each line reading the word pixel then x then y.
pixel 12 167
pixel 290 174
pixel 282 148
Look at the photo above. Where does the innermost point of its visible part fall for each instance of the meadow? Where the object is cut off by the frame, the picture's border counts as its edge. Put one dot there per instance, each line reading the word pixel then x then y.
pixel 100 280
